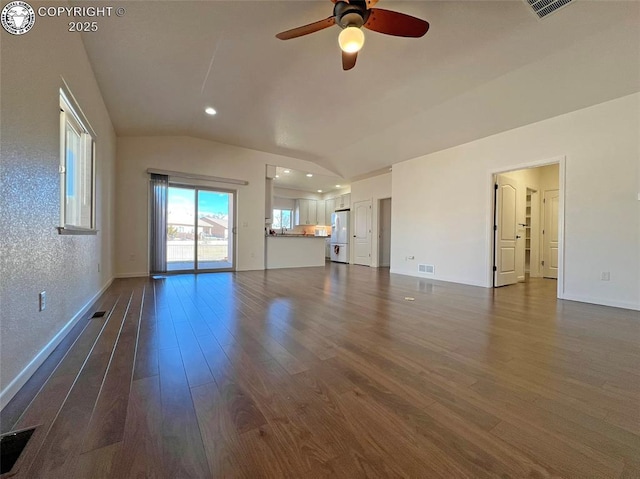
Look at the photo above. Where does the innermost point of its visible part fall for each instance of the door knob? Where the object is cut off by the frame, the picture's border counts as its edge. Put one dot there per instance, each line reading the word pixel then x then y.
pixel 518 236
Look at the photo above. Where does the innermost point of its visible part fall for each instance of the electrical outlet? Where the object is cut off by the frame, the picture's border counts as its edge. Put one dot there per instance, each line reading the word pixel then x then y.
pixel 411 257
pixel 42 301
pixel 605 276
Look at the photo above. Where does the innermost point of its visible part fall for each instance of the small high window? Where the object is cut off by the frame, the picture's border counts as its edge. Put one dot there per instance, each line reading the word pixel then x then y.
pixel 77 170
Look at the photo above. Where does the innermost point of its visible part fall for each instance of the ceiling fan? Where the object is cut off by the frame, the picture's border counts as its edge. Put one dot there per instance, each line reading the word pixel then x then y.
pixel 352 16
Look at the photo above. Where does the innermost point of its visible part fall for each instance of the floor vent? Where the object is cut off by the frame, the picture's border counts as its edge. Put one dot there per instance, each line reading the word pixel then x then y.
pixel 426 268
pixel 11 446
pixel 98 314
pixel 542 8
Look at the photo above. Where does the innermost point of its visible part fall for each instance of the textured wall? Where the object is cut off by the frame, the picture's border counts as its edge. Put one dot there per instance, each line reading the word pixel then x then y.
pixel 33 257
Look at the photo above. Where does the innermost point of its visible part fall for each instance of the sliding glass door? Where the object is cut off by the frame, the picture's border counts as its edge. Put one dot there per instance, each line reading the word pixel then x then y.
pixel 214 248
pixel 200 229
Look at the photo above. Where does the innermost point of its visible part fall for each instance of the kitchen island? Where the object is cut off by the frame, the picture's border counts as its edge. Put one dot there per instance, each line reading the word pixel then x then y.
pixel 294 251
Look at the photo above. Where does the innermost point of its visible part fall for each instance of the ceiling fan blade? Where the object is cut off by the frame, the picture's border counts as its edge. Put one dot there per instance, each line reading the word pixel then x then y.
pixel 371 3
pixel 349 60
pixel 307 29
pixel 395 23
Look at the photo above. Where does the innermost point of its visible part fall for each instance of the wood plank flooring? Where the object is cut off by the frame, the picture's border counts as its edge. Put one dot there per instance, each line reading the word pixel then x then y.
pixel 330 372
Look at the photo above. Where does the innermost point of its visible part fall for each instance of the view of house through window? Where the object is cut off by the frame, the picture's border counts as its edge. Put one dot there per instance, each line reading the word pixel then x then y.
pixel 76 169
pixel 199 229
pixel 282 219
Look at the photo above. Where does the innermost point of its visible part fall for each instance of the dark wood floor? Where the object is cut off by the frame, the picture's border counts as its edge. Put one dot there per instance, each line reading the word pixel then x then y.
pixel 331 372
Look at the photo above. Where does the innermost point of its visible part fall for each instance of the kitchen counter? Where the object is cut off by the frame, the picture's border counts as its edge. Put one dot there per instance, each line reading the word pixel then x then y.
pixel 296 252
pixel 297 236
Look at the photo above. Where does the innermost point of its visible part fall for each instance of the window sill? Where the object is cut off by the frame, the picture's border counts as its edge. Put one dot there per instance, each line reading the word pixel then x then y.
pixel 62 230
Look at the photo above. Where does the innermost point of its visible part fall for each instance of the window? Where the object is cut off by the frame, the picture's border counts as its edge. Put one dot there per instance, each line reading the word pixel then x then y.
pixel 77 171
pixel 281 219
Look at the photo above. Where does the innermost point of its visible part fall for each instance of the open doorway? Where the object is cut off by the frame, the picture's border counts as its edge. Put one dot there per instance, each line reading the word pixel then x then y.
pixel 384 233
pixel 527 225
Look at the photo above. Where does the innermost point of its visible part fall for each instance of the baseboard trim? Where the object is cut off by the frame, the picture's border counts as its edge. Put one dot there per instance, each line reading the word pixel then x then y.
pixel 602 302
pixel 434 278
pixel 20 380
pixel 132 275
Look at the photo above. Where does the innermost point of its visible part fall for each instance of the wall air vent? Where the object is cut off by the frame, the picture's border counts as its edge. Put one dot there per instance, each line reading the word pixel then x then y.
pixel 426 268
pixel 542 8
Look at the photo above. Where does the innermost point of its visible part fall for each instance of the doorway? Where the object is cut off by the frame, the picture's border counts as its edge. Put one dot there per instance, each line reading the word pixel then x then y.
pixel 200 229
pixel 384 233
pixel 527 225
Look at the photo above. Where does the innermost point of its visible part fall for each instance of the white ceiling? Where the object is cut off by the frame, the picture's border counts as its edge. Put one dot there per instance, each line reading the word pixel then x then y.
pixel 483 67
pixel 298 180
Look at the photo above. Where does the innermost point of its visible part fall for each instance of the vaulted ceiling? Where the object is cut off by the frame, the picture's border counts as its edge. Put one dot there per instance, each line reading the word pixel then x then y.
pixel 483 68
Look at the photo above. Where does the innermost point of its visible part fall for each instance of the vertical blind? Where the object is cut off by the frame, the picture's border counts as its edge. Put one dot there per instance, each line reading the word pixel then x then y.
pixel 158 236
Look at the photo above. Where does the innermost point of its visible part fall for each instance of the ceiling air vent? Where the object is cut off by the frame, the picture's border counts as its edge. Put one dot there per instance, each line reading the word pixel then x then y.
pixel 542 8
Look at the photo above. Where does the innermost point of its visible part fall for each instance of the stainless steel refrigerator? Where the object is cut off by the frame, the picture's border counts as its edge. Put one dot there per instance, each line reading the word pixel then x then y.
pixel 340 236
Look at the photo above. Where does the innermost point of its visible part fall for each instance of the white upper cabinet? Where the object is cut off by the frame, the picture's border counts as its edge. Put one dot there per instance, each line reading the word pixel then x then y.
pixel 343 201
pixel 306 212
pixel 320 212
pixel 329 208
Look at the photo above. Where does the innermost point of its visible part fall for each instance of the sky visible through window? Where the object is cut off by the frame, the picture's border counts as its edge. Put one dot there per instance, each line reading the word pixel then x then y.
pixel 211 203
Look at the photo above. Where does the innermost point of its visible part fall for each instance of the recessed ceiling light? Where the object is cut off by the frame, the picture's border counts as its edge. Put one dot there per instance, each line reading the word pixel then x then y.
pixel 319 191
pixel 277 176
pixel 210 111
pixel 309 175
pixel 287 171
pixel 337 186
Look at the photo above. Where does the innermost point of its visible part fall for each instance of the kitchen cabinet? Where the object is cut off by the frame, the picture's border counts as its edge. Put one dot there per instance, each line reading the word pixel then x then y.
pixel 329 208
pixel 320 212
pixel 343 201
pixel 306 212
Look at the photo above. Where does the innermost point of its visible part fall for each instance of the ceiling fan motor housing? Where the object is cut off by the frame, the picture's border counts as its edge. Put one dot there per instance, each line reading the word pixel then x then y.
pixel 353 14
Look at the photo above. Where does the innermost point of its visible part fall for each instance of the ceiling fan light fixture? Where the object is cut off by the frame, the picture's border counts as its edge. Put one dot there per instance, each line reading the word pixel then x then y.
pixel 351 40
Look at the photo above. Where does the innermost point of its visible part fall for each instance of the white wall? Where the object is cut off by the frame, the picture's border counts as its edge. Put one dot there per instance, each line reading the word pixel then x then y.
pixel 34 257
pixel 373 189
pixel 191 155
pixel 442 202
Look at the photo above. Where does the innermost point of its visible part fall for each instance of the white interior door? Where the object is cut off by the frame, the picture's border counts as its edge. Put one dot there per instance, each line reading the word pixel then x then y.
pixel 362 233
pixel 550 235
pixel 506 231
